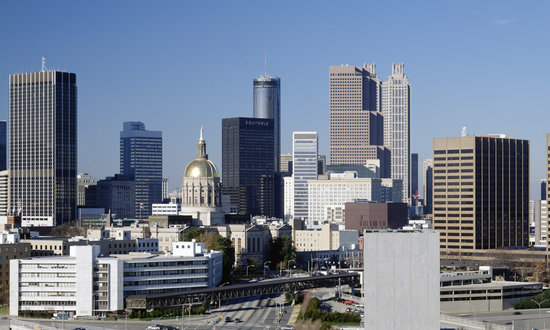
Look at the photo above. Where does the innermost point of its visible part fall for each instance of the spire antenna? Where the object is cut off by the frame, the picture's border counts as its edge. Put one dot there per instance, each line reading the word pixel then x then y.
pixel 43 64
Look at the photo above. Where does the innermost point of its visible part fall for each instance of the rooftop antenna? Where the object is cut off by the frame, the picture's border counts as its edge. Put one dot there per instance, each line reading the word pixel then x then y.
pixel 464 131
pixel 265 62
pixel 43 64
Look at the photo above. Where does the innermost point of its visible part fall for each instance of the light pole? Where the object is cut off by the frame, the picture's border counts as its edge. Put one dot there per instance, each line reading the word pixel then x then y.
pixel 539 304
pixel 265 263
pixel 220 300
pixel 126 320
pixel 247 269
pixel 288 264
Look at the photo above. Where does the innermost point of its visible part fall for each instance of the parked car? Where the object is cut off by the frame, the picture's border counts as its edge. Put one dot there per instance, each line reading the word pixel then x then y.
pixel 155 327
pixel 227 319
pixel 238 320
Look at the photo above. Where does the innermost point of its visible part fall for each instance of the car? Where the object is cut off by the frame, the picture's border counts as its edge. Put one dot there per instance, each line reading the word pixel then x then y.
pixel 288 327
pixel 155 327
pixel 227 319
pixel 79 329
pixel 238 320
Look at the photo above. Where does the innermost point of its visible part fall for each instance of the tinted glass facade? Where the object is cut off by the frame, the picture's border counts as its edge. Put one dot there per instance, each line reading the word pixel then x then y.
pixel 43 154
pixel 3 145
pixel 141 160
pixel 247 156
pixel 267 104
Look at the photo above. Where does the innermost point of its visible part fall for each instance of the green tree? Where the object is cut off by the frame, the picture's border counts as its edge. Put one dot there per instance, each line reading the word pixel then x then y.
pixel 192 233
pixel 254 263
pixel 282 251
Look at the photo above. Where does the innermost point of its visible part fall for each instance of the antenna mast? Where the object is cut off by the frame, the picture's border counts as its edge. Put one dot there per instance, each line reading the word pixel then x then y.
pixel 44 64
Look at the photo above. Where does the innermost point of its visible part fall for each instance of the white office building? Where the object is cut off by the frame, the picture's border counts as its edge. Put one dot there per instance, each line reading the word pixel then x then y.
pixel 166 209
pixel 396 108
pixel 304 168
pixel 538 219
pixel 325 195
pixel 85 283
pixel 401 280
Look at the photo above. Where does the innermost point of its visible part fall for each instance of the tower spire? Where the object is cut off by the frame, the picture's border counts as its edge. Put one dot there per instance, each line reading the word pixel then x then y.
pixel 201 148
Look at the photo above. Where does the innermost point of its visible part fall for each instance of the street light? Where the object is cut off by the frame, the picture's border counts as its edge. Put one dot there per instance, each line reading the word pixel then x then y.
pixel 265 263
pixel 220 300
pixel 247 269
pixel 288 264
pixel 539 304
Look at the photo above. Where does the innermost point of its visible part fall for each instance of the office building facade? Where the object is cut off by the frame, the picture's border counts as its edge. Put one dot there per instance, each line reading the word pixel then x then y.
pixel 481 192
pixel 247 154
pixel 396 107
pixel 305 150
pixel 141 160
pixel 427 171
pixel 116 195
pixel 43 147
pixel 267 105
pixel 3 145
pixel 414 176
pixel 4 192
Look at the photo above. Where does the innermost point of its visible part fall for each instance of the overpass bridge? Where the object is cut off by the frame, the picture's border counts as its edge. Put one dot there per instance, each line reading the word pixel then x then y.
pixel 197 296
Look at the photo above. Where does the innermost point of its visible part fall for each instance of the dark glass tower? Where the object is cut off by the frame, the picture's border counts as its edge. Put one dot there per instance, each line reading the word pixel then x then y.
pixel 267 104
pixel 43 147
pixel 247 145
pixel 414 177
pixel 3 145
pixel 141 160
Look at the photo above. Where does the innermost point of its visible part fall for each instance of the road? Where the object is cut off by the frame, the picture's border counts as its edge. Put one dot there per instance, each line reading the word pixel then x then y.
pixel 255 313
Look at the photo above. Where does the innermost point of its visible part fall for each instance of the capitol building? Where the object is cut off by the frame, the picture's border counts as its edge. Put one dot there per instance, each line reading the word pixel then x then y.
pixel 201 190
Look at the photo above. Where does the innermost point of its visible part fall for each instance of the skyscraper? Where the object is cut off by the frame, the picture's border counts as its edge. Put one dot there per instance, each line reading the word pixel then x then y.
pixel 414 175
pixel 396 108
pixel 43 146
pixel 3 145
pixel 543 189
pixel 356 123
pixel 304 162
pixel 247 155
pixel 267 105
pixel 481 192
pixel 141 160
pixel 428 185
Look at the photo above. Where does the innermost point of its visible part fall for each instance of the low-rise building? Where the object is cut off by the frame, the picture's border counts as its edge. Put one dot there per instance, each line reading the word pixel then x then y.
pixel 371 215
pixel 10 248
pixel 85 283
pixel 328 237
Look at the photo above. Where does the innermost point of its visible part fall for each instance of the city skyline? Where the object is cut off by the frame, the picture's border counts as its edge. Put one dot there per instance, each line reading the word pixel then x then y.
pixel 478 56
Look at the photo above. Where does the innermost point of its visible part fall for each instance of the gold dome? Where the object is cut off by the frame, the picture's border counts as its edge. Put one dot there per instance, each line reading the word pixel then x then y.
pixel 201 168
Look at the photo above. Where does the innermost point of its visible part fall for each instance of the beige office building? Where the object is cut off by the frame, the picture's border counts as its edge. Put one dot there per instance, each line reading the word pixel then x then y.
pixel 481 192
pixel 356 123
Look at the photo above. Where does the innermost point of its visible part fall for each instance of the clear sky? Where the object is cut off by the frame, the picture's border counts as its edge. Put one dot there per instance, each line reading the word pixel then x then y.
pixel 180 65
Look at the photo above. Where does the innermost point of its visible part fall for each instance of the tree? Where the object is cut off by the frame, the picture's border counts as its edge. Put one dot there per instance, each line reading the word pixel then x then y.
pixel 192 233
pixel 282 251
pixel 254 263
pixel 214 241
pixel 541 273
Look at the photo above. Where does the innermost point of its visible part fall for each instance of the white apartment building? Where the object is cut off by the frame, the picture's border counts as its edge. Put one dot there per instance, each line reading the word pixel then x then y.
pixel 85 283
pixel 337 191
pixel 288 197
pixel 166 209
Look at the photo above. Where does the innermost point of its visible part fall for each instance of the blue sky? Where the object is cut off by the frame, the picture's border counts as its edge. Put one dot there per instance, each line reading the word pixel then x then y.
pixel 180 65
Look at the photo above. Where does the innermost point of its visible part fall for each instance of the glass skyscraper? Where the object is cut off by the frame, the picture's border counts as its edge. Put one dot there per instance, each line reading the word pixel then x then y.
pixel 304 168
pixel 267 104
pixel 247 155
pixel 43 147
pixel 141 159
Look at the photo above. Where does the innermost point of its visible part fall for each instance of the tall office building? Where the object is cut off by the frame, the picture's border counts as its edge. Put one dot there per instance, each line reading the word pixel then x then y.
pixel 428 185
pixel 247 155
pixel 356 123
pixel 141 160
pixel 43 145
pixel 414 175
pixel 481 192
pixel 267 105
pixel 543 189
pixel 396 108
pixel 304 162
pixel 3 145
pixel 4 179
pixel 116 194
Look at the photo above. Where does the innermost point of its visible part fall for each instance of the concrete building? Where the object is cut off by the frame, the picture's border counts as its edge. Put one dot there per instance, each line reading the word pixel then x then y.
pixel 401 280
pixel 164 189
pixel 267 105
pixel 166 209
pixel 43 147
pixel 396 108
pixel 372 215
pixel 328 237
pixel 427 171
pixel 538 218
pixel 304 168
pixel 141 160
pixel 85 283
pixel 201 189
pixel 481 192
pixel 344 188
pixel 86 194
pixel 286 164
pixel 288 197
pixel 4 191
pixel 10 248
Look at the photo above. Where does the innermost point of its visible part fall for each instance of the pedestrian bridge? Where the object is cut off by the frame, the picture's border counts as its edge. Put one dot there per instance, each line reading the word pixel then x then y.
pixel 197 296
